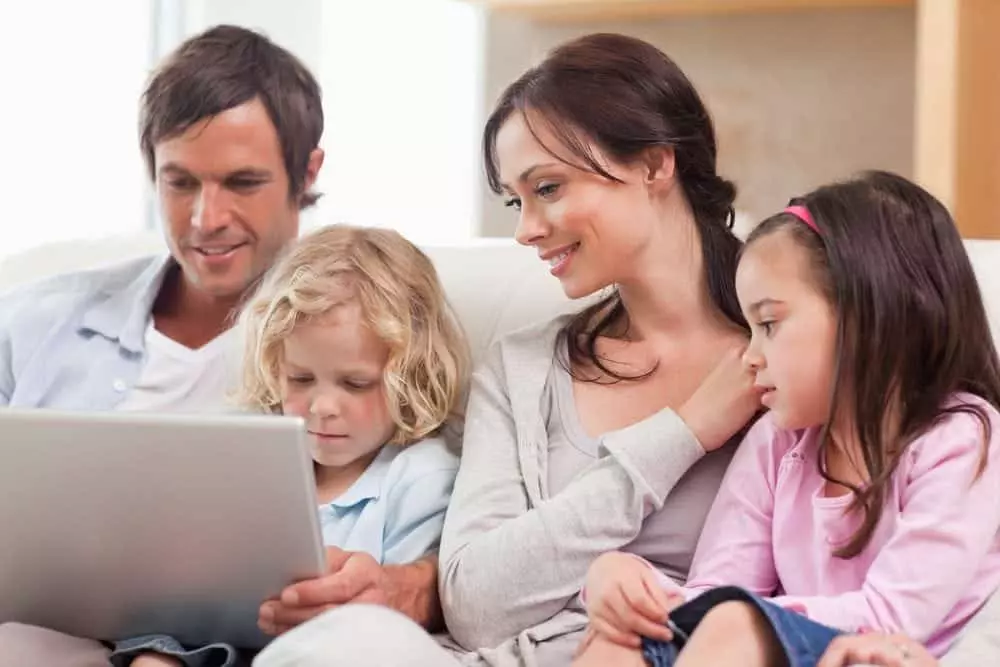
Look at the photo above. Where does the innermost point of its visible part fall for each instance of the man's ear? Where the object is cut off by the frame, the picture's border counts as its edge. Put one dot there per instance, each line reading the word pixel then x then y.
pixel 659 165
pixel 313 167
pixel 306 196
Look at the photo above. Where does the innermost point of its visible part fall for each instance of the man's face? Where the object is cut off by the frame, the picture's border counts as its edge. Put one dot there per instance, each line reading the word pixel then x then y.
pixel 223 192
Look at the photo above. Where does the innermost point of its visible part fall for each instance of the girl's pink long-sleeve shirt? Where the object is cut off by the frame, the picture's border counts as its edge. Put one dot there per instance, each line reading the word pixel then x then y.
pixel 932 562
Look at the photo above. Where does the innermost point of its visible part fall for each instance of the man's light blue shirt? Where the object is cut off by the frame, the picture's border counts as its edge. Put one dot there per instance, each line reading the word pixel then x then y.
pixel 76 341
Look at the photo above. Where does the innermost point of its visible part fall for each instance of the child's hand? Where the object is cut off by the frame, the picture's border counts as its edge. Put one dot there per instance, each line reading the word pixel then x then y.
pixel 626 601
pixel 156 660
pixel 876 649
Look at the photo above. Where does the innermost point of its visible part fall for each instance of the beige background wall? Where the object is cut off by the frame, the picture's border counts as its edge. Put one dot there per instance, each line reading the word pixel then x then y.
pixel 798 98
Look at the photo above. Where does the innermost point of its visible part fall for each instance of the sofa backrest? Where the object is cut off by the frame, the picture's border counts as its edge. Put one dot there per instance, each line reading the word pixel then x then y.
pixel 494 285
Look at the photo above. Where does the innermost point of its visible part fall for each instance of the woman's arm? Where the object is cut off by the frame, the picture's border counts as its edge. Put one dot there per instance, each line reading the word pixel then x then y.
pixel 506 566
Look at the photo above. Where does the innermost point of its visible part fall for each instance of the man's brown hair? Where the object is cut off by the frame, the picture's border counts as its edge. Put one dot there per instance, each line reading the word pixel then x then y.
pixel 222 68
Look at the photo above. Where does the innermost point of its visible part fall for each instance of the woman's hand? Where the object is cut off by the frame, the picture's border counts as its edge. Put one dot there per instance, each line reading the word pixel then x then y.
pixel 723 403
pixel 876 649
pixel 626 601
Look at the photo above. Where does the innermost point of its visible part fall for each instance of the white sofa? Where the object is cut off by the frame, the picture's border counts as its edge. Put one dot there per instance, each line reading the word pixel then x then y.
pixel 494 284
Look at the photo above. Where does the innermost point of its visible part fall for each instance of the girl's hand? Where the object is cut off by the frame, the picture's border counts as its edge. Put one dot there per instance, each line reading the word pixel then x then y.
pixel 723 403
pixel 876 649
pixel 626 601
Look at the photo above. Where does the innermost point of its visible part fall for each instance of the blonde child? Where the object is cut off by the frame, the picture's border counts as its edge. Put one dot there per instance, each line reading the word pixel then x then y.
pixel 869 497
pixel 351 331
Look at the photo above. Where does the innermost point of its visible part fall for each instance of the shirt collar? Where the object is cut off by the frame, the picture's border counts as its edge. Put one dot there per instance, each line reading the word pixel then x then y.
pixel 369 485
pixel 124 315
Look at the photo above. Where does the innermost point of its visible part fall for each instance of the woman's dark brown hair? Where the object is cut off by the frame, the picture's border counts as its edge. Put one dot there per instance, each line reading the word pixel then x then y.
pixel 912 329
pixel 222 68
pixel 626 96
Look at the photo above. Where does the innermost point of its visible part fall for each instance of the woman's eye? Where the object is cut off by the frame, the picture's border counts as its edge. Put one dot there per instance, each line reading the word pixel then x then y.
pixel 513 202
pixel 547 189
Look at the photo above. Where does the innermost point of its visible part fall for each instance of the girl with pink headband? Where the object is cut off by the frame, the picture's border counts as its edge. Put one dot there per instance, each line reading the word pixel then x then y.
pixel 868 497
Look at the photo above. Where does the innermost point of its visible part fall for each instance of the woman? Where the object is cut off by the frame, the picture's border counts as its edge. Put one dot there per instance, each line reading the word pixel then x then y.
pixel 608 429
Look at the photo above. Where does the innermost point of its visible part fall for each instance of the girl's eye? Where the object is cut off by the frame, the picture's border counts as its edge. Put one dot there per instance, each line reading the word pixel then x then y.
pixel 299 379
pixel 768 327
pixel 513 202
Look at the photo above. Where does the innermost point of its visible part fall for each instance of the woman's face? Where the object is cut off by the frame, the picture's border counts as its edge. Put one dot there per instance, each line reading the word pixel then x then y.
pixel 593 232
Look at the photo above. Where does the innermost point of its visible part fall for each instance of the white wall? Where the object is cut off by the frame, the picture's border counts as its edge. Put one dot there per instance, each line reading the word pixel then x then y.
pixel 69 156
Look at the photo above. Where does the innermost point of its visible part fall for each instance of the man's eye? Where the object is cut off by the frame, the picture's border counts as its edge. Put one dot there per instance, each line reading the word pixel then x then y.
pixel 182 183
pixel 244 183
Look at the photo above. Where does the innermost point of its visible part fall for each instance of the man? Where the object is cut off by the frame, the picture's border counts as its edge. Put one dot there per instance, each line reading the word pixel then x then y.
pixel 230 127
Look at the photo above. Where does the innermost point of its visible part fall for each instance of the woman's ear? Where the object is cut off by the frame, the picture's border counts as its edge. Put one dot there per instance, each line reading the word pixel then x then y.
pixel 659 166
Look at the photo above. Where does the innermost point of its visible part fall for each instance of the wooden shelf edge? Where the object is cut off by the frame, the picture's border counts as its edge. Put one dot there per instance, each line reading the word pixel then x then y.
pixel 592 10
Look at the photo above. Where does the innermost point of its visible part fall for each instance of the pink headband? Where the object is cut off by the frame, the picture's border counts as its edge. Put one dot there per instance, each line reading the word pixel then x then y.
pixel 803 214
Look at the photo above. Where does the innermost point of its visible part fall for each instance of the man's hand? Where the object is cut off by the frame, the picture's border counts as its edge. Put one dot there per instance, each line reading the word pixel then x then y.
pixel 352 576
pixel 355 577
pixel 626 601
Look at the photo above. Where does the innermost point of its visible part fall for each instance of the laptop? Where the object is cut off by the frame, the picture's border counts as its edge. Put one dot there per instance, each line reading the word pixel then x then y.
pixel 114 525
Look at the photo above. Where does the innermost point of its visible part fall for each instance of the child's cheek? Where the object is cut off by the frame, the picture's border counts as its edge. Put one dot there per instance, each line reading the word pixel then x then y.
pixel 295 406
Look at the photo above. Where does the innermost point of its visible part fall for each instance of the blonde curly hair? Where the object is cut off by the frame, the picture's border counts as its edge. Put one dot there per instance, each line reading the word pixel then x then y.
pixel 402 302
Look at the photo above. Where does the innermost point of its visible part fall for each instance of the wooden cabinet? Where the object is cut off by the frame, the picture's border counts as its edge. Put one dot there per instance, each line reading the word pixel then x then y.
pixel 957 143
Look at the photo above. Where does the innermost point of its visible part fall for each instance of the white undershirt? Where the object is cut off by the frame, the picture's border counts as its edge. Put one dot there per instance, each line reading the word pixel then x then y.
pixel 175 378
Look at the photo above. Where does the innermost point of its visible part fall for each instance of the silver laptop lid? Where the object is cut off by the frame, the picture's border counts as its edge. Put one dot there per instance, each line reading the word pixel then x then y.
pixel 116 524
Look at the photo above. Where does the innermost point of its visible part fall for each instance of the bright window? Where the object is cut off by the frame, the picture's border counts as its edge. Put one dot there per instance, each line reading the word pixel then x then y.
pixel 72 74
pixel 401 82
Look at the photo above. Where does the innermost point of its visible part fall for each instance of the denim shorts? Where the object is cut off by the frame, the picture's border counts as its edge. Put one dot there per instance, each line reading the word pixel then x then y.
pixel 803 641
